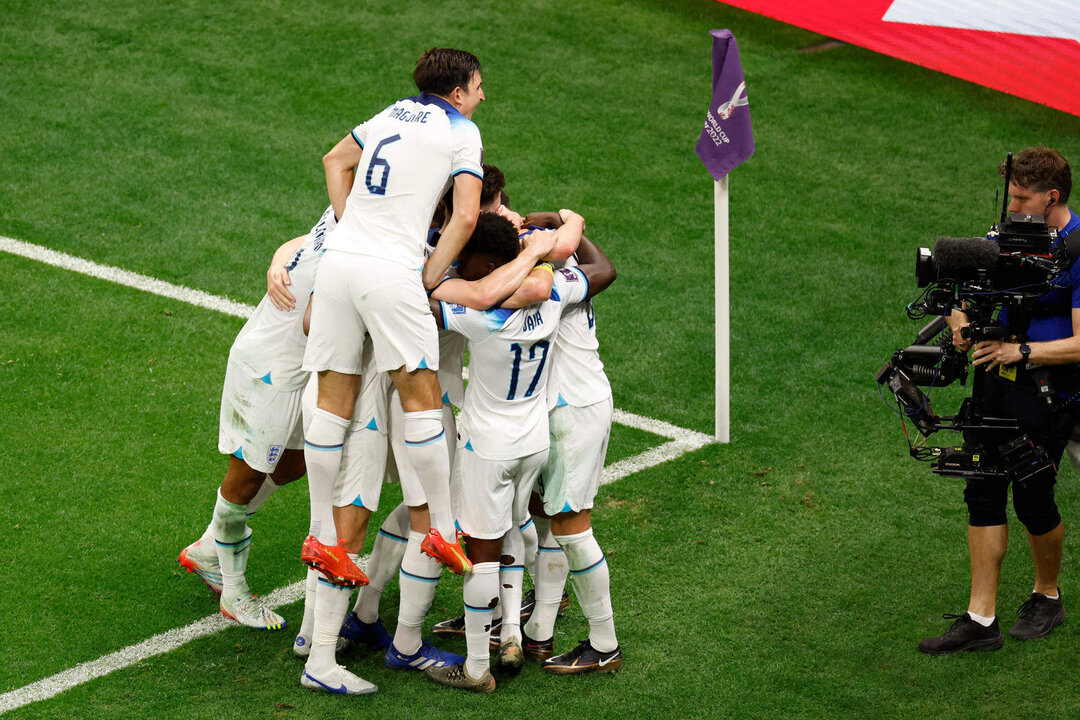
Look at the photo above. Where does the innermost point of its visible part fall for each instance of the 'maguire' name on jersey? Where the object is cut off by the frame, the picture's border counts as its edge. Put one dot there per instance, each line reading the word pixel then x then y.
pixel 505 414
pixel 271 344
pixel 412 151
pixel 577 374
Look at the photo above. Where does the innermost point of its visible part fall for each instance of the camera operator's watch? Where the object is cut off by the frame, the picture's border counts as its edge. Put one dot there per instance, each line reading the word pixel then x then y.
pixel 1025 352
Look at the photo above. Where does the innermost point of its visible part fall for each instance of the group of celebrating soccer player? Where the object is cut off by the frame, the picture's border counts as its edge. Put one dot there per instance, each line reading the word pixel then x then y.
pixel 350 370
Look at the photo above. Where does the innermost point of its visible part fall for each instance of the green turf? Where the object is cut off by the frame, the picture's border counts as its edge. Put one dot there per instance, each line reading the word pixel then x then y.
pixel 789 574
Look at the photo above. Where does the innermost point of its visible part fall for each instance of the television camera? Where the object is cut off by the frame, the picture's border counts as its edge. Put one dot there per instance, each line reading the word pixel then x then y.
pixel 996 280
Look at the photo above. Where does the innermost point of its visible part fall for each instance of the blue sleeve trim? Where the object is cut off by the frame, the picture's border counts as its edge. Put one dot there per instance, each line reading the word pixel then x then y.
pixel 353 133
pixel 469 172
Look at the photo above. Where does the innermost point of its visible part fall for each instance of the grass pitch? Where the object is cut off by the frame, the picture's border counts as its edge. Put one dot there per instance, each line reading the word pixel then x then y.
pixel 789 573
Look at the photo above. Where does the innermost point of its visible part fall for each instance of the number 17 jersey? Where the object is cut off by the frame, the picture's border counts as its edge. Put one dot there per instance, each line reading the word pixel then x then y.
pixel 505 413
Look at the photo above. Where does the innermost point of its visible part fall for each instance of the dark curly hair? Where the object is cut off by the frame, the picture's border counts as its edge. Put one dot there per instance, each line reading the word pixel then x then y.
pixel 495 236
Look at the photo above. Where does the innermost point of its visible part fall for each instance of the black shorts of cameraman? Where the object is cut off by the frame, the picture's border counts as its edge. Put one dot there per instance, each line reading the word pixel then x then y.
pixel 1048 425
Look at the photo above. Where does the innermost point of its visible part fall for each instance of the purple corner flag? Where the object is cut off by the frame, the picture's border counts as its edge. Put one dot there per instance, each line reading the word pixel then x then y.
pixel 727 139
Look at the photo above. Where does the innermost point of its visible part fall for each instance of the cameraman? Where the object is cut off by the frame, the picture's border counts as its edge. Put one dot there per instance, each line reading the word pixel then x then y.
pixel 1039 185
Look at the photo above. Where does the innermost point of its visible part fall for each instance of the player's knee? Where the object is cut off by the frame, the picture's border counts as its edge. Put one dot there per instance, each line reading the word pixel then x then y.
pixel 291 467
pixel 986 502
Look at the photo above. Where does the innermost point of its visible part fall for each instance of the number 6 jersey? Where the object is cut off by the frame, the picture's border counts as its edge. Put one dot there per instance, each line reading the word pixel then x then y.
pixel 412 151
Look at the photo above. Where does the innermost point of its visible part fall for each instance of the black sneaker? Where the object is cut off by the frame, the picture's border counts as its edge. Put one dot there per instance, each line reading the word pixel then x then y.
pixel 528 604
pixel 583 659
pixel 964 635
pixel 453 626
pixel 1038 616
pixel 537 649
pixel 456 627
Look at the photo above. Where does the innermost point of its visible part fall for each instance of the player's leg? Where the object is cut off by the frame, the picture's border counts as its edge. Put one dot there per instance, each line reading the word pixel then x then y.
pixel 549 587
pixel 363 624
pixel 483 494
pixel 426 450
pixel 580 459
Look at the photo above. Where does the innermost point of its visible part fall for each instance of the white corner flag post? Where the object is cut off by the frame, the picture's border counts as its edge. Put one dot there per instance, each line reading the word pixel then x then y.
pixel 721 273
pixel 726 140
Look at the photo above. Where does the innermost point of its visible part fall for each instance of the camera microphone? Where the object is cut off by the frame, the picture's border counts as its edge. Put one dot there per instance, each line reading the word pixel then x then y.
pixel 964 256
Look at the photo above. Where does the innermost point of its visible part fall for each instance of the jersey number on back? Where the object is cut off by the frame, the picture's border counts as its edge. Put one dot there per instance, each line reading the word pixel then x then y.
pixel 379 189
pixel 516 349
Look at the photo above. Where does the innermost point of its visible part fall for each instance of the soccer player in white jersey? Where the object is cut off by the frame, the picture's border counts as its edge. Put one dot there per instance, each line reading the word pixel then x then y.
pixel 372 283
pixel 580 403
pixel 260 430
pixel 502 433
pixel 397 545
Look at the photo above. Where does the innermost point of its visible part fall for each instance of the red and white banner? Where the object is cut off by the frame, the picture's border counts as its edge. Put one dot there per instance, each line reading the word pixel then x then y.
pixel 1027 48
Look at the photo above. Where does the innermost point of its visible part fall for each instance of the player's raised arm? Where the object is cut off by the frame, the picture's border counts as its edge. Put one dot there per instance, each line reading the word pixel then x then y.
pixel 340 167
pixel 597 267
pixel 467 189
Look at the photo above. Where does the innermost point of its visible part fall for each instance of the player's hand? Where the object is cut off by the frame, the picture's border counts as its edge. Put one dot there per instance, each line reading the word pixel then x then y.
pixel 277 287
pixel 539 242
pixel 995 352
pixel 566 216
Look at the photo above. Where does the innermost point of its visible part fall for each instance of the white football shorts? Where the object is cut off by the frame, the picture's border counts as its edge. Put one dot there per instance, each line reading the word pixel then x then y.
pixel 358 294
pixel 579 442
pixel 258 422
pixel 486 495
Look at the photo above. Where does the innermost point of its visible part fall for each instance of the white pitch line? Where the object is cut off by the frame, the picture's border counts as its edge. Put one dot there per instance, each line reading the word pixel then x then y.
pixel 156 645
pixel 681 442
pixel 126 277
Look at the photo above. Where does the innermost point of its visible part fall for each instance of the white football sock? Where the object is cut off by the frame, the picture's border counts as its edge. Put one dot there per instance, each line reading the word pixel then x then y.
pixel 322 453
pixel 233 541
pixel 511 574
pixel 307 625
pixel 418 581
pixel 480 594
pixel 426 447
pixel 548 583
pixel 385 560
pixel 984 621
pixel 592 584
pixel 331 603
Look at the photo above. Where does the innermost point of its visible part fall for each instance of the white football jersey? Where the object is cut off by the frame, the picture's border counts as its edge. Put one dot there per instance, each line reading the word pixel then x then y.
pixel 412 151
pixel 271 344
pixel 577 374
pixel 505 412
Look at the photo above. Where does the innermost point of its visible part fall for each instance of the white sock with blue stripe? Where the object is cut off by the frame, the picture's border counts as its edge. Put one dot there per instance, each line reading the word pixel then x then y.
pixel 481 594
pixel 322 454
pixel 385 560
pixel 548 583
pixel 511 575
pixel 592 585
pixel 418 581
pixel 331 603
pixel 233 541
pixel 426 447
